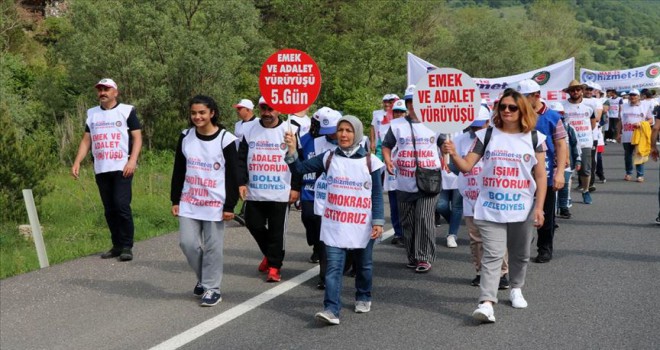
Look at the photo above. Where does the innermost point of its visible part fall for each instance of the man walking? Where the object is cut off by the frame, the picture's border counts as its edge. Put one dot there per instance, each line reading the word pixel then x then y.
pixel 113 133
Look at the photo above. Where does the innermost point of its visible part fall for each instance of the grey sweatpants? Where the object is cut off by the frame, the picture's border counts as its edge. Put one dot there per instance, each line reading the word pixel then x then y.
pixel 497 237
pixel 202 243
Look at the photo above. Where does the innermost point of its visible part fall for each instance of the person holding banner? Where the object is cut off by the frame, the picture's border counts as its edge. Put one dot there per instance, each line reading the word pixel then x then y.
pixel 633 114
pixel 581 116
pixel 268 186
pixel 353 215
pixel 513 156
pixel 204 192
pixel 548 123
pixel 416 208
pixel 468 186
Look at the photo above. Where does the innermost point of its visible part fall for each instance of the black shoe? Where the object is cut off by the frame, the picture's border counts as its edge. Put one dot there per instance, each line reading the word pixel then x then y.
pixel 395 240
pixel 320 285
pixel 198 291
pixel 314 259
pixel 438 218
pixel 476 281
pixel 592 188
pixel 112 253
pixel 542 258
pixel 240 219
pixel 564 213
pixel 126 255
pixel 504 283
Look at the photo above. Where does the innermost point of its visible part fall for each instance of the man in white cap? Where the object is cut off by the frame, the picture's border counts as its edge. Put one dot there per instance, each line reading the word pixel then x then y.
pixel 632 115
pixel 379 118
pixel 113 133
pixel 245 112
pixel 267 185
pixel 549 123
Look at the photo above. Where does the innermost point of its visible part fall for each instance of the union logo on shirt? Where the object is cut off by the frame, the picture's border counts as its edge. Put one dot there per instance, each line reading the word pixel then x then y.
pixel 527 157
pixel 216 166
pixel 118 123
pixel 282 146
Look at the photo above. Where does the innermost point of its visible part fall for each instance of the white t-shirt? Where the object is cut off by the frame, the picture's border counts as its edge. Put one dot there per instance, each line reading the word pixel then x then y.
pixel 304 122
pixel 578 115
pixel 631 115
pixel 240 127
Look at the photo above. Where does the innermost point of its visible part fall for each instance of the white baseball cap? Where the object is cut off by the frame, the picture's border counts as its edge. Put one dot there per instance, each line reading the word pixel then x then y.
pixel 329 122
pixel 410 90
pixel 527 86
pixel 262 101
pixel 633 92
pixel 321 112
pixel 482 118
pixel 245 103
pixel 557 106
pixel 399 105
pixel 106 82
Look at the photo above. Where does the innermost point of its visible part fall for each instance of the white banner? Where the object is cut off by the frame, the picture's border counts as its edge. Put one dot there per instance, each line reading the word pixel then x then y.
pixel 641 77
pixel 552 79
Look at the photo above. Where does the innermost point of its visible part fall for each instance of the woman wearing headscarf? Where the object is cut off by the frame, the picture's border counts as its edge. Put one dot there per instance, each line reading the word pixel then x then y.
pixel 352 213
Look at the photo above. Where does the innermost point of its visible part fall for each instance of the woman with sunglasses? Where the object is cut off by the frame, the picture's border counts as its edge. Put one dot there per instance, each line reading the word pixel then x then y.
pixel 505 212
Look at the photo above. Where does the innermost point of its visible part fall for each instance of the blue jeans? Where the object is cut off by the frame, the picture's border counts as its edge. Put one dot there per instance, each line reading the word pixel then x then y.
pixel 334 275
pixel 394 214
pixel 450 206
pixel 628 150
pixel 563 194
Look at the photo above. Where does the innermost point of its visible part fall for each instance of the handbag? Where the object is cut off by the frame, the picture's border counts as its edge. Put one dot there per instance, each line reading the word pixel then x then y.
pixel 428 181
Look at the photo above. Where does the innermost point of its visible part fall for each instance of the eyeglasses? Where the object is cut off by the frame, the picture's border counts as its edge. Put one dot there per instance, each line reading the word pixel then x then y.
pixel 264 107
pixel 503 107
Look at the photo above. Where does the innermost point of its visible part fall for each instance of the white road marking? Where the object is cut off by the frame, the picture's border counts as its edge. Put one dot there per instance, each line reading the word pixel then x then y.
pixel 195 332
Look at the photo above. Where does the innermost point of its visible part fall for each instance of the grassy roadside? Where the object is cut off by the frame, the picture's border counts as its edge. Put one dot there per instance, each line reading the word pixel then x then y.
pixel 73 221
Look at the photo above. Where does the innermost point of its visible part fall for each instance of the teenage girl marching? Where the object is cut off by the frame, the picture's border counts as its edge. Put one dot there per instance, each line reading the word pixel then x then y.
pixel 204 193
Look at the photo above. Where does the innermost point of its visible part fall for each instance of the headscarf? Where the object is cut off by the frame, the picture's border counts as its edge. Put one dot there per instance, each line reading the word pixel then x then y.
pixel 358 132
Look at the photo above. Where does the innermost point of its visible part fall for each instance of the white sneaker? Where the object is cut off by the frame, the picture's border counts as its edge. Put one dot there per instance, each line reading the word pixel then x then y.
pixel 517 299
pixel 484 313
pixel 326 316
pixel 362 307
pixel 451 241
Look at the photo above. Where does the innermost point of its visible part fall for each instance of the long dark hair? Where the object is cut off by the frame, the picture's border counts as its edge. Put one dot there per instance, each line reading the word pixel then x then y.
pixel 210 103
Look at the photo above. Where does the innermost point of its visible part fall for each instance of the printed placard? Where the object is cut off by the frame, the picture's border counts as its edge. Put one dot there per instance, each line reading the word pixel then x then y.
pixel 290 81
pixel 446 100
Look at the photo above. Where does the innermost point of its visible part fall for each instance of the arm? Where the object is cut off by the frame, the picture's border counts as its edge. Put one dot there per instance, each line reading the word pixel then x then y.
pixel 242 175
pixel 377 211
pixel 129 168
pixel 562 153
pixel 388 144
pixel 83 149
pixel 372 140
pixel 178 177
pixel 463 164
pixel 231 182
pixel 541 178
pixel 654 138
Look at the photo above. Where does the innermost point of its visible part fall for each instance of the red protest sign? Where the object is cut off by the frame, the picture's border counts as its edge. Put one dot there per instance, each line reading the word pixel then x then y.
pixel 446 100
pixel 290 81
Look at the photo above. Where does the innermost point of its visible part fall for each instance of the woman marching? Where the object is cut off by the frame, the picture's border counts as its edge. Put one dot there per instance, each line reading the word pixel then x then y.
pixel 505 212
pixel 353 212
pixel 204 193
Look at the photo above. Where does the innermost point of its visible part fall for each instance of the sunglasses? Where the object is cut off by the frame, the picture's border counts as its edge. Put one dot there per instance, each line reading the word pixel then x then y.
pixel 265 108
pixel 503 107
pixel 574 90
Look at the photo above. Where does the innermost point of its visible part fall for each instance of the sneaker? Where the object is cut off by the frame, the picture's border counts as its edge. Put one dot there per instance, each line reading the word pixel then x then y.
pixel 438 219
pixel 592 188
pixel 602 180
pixel 640 179
pixel 126 254
pixel 542 258
pixel 411 264
pixel 211 298
pixel 627 178
pixel 564 213
pixel 423 267
pixel 484 313
pixel 240 219
pixel 198 291
pixel 451 241
pixel 327 317
pixel 586 198
pixel 362 307
pixel 314 259
pixel 570 203
pixel 320 285
pixel 396 240
pixel 504 283
pixel 112 253
pixel 517 299
pixel 263 266
pixel 476 281
pixel 273 275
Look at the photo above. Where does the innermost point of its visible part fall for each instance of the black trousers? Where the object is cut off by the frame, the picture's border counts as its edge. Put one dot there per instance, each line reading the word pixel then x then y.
pixel 266 221
pixel 116 194
pixel 547 231
pixel 312 223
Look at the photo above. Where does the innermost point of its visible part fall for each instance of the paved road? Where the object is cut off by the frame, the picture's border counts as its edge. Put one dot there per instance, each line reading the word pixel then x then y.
pixel 599 292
